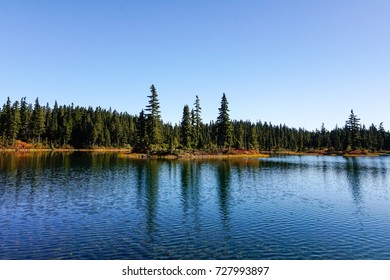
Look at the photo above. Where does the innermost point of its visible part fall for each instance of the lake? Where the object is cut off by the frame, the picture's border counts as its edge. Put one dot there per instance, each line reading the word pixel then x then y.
pixel 103 206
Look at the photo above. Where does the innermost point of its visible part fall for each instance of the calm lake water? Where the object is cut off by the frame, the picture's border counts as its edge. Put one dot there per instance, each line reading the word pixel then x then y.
pixel 102 206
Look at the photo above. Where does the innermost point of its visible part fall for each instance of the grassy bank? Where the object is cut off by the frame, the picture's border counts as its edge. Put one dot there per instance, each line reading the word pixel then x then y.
pixel 198 154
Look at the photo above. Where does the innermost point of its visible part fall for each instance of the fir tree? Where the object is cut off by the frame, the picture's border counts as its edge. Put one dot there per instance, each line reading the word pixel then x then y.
pixel 141 130
pixel 116 130
pixel 197 123
pixel 253 138
pixel 6 120
pixel 153 118
pixel 353 131
pixel 381 137
pixel 239 132
pixel 25 115
pixel 185 128
pixel 53 127
pixel 15 123
pixel 37 122
pixel 224 126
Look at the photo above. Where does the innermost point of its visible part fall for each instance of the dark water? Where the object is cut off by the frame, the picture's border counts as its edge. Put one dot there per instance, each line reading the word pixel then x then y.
pixel 102 206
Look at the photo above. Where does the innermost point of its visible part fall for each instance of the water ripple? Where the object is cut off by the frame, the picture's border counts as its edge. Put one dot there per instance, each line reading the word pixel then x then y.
pixel 84 206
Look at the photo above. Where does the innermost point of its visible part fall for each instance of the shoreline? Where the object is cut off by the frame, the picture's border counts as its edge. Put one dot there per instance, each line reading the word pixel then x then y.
pixel 63 150
pixel 125 152
pixel 195 156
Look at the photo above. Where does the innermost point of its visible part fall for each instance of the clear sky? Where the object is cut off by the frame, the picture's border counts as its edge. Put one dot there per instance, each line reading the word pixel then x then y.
pixel 295 62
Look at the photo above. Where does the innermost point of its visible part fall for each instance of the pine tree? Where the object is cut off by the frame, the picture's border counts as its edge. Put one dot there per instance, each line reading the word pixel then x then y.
pixel 65 125
pixel 154 118
pixel 25 115
pixel 325 141
pixel 336 138
pixel 6 121
pixel 141 130
pixel 381 137
pixel 37 123
pixel 48 123
pixel 353 131
pixel 253 138
pixel 98 127
pixel 239 135
pixel 224 125
pixel 197 124
pixel 116 129
pixel 15 122
pixel 53 126
pixel 193 129
pixel 301 141
pixel 10 122
pixel 185 128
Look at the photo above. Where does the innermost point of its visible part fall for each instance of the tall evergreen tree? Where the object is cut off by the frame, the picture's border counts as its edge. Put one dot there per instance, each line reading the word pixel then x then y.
pixel 154 118
pixel 197 124
pixel 6 120
pixel 381 137
pixel 65 123
pixel 253 138
pixel 353 131
pixel 15 122
pixel 98 127
pixel 193 128
pixel 185 128
pixel 239 135
pixel 301 140
pixel 48 123
pixel 53 127
pixel 141 130
pixel 324 137
pixel 37 123
pixel 25 115
pixel 336 138
pixel 224 125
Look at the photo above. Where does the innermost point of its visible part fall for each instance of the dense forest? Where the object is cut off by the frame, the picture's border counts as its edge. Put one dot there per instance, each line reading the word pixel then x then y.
pixel 24 125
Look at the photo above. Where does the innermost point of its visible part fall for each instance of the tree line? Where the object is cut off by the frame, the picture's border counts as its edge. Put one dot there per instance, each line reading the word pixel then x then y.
pixel 80 127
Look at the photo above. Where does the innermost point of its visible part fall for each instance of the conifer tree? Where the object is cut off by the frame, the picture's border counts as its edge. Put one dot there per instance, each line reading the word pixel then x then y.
pixel 15 122
pixel 224 125
pixel 335 138
pixel 25 115
pixel 66 125
pixel 154 118
pixel 141 130
pixel 37 122
pixel 193 128
pixel 353 131
pixel 116 129
pixel 53 127
pixel 253 138
pixel 185 128
pixel 48 123
pixel 197 124
pixel 239 134
pixel 6 120
pixel 381 137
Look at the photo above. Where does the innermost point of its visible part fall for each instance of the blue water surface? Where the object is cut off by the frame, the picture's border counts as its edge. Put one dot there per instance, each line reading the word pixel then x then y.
pixel 106 206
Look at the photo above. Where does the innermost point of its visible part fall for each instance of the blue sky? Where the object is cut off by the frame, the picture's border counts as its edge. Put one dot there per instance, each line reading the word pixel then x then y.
pixel 295 62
